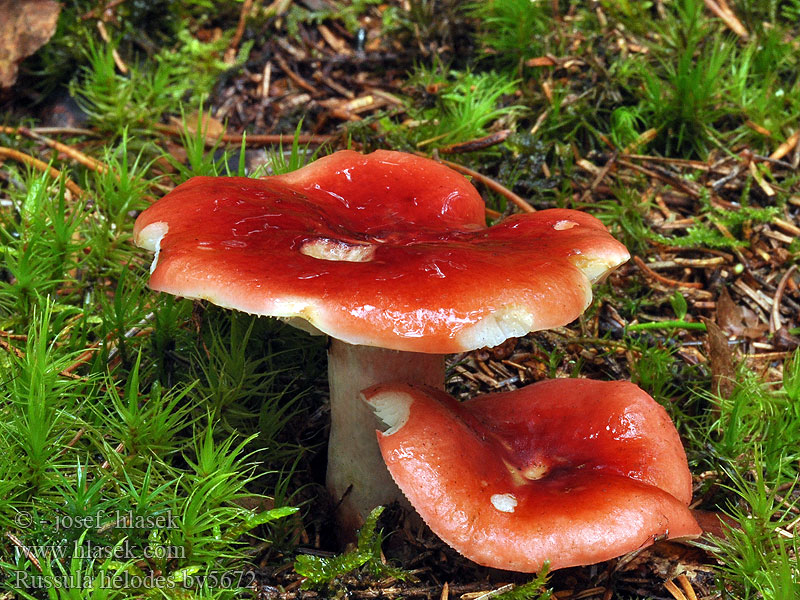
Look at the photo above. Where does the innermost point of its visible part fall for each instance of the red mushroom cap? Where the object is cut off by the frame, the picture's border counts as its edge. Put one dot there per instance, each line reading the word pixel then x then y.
pixel 569 471
pixel 385 249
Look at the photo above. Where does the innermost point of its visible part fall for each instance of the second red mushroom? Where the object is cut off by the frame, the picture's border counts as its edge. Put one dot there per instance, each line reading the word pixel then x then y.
pixel 568 471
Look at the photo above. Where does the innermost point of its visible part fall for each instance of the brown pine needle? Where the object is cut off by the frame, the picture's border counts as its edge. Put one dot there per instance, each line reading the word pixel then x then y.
pixel 230 53
pixel 82 359
pixel 25 550
pixel 65 131
pixel 11 349
pixel 123 68
pixel 13 336
pixel 674 590
pixel 665 280
pixel 267 139
pixel 644 138
pixel 118 450
pixel 786 146
pixel 41 166
pixel 600 175
pixel 722 10
pixel 493 185
pixel 73 441
pixel 680 162
pixel 674 181
pixel 251 138
pixel 482 143
pixel 775 315
pixel 687 587
pixel 298 81
pixel 77 155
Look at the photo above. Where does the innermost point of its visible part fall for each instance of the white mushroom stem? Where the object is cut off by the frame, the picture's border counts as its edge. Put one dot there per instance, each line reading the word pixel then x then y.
pixel 357 476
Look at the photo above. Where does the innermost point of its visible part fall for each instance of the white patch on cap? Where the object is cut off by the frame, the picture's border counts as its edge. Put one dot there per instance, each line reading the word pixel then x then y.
pixel 595 269
pixel 564 224
pixel 303 324
pixel 504 502
pixel 392 409
pixel 496 328
pixel 328 249
pixel 150 238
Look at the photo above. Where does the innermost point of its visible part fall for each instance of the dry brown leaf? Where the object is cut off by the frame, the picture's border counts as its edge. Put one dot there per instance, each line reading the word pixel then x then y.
pixel 729 316
pixel 738 320
pixel 212 128
pixel 25 26
pixel 784 340
pixel 720 357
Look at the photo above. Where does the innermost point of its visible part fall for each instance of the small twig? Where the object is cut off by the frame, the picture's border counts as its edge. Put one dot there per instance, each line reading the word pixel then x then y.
pixel 762 183
pixel 672 180
pixel 25 550
pixel 758 128
pixel 120 447
pixel 299 81
pixel 115 55
pixel 86 161
pixel 717 185
pixel 681 162
pixel 665 280
pixel 493 185
pixel 757 296
pixel 13 336
pixel 267 139
pixel 485 595
pixel 787 146
pixel 11 349
pixel 539 120
pixel 65 131
pixel 73 441
pixel 478 144
pixel 699 262
pixel 766 159
pixel 644 138
pixel 687 587
pixel 230 53
pixel 83 358
pixel 674 590
pixel 775 316
pixel 786 226
pixel 601 174
pixel 726 14
pixel 252 138
pixel 266 79
pixel 41 166
pixel 588 593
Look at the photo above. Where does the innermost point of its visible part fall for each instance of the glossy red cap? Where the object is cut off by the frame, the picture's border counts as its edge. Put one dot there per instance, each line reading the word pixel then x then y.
pixel 569 471
pixel 385 249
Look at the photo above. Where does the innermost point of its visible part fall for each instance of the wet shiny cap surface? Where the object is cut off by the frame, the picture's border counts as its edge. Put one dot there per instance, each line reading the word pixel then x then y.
pixel 569 471
pixel 384 249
